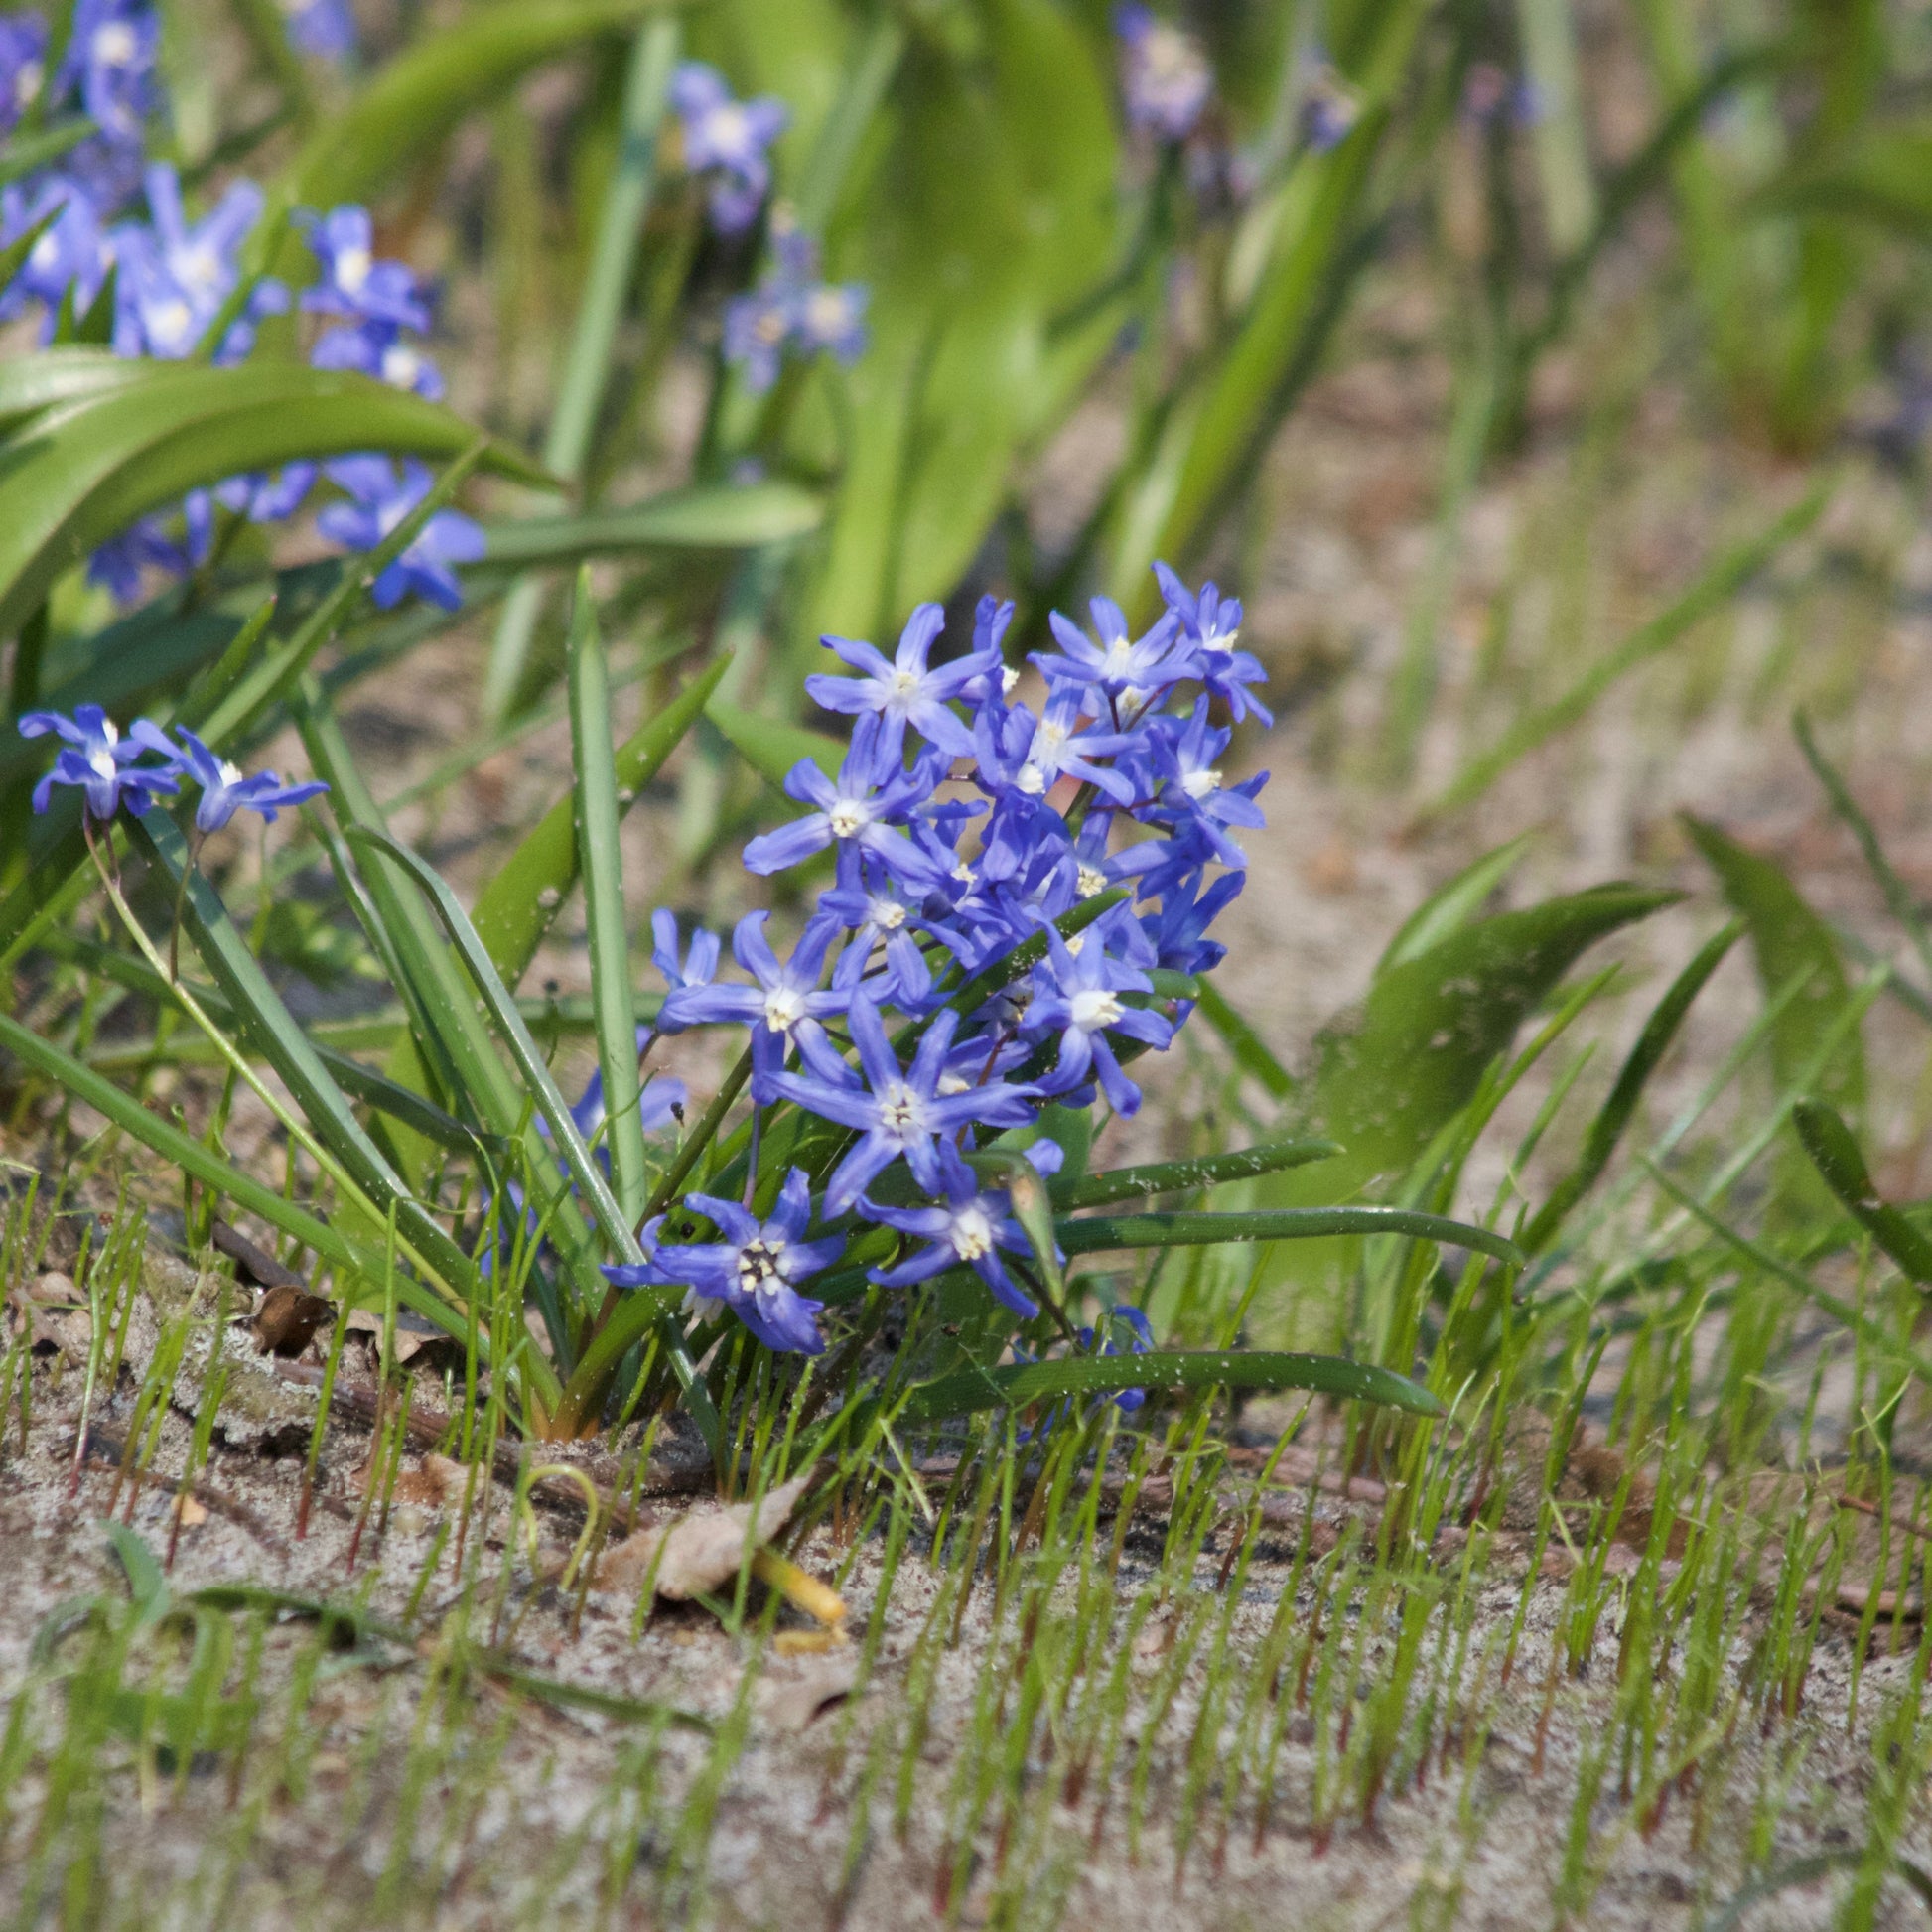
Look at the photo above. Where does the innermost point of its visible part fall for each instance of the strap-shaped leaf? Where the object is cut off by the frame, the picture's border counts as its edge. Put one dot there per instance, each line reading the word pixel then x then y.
pixel 84 469
pixel 30 383
pixel 1010 1387
pixel 418 97
pixel 515 910
pixel 742 517
pixel 770 745
pixel 1834 1150
pixel 1175 1177
pixel 1277 1224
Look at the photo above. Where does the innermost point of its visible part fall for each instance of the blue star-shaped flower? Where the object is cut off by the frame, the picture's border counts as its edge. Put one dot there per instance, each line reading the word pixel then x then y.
pixel 97 758
pixel 379 500
pixel 225 791
pixel 906 692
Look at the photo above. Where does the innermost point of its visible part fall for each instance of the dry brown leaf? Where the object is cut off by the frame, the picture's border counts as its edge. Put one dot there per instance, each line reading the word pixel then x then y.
pixel 789 1702
pixel 702 1548
pixel 188 1511
pixel 285 1322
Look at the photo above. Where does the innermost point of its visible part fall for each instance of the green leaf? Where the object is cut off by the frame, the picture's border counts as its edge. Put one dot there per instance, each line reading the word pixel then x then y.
pixel 1792 944
pixel 1719 584
pixel 418 97
pixel 1103 1233
pixel 1389 1077
pixel 1834 1150
pixel 270 1030
pixel 770 747
pixel 1013 1387
pixel 147 1587
pixel 13 257
pixel 515 910
pixel 83 471
pixel 191 1156
pixel 601 862
pixel 740 517
pixel 1614 1116
pixel 26 154
pixel 1450 908
pixel 30 383
pixel 1184 1176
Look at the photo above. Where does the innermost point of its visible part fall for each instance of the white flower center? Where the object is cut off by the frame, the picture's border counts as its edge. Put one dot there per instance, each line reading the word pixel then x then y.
pixel 972 1232
pixel 1031 780
pixel 1200 781
pixel 231 774
pixel 1218 640
pixel 828 313
pixel 952 1083
pixel 27 82
pixel 784 1008
pixel 1094 1009
pixel 1076 945
pixel 171 324
pixel 888 915
pixel 906 685
pixel 401 365
pixel 102 763
pixel 849 817
pixel 1092 882
pixel 770 326
pixel 902 1112
pixel 728 127
pixel 1009 677
pixel 352 265
pixel 114 44
pixel 758 1263
pixel 46 252
pixel 198 265
pixel 1051 737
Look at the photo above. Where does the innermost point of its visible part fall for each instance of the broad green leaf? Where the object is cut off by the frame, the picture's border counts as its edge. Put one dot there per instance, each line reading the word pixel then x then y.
pixel 1607 1130
pixel 418 97
pixel 83 471
pixel 1183 1177
pixel 27 154
pixel 30 383
pixel 1792 944
pixel 1013 1387
pixel 515 910
pixel 976 212
pixel 1390 1077
pixel 601 862
pixel 770 745
pixel 1834 1150
pixel 1719 584
pixel 1885 176
pixel 1106 1232
pixel 1452 907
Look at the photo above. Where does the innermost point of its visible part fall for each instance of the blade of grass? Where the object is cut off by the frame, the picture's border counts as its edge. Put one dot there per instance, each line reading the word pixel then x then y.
pixel 1277 1224
pixel 601 862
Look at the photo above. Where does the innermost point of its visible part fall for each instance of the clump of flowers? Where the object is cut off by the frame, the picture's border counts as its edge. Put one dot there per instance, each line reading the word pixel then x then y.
pixel 726 141
pixel 1087 820
pixel 792 311
pixel 1166 79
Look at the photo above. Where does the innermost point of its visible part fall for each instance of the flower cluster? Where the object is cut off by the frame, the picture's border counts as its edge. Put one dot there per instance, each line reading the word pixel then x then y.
pixel 965 821
pixel 175 279
pixel 792 310
pixel 102 763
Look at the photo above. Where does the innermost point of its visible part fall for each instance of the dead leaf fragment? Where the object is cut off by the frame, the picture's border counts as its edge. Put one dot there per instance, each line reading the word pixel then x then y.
pixel 187 1511
pixel 287 1321
pixel 791 1701
pixel 702 1548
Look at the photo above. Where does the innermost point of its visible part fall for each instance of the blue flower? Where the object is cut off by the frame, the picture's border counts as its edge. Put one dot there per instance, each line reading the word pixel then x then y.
pixel 323 28
pixel 379 349
pixel 854 812
pixel 784 1008
pixel 752 1272
pixel 379 500
pixel 72 254
pixel 97 758
pixel 1077 996
pixel 1128 671
pixel 699 966
pixel 1164 76
pixel 121 563
pixel 969 1227
pixel 1212 622
pixel 110 57
pixel 23 65
pixel 225 791
pixel 791 308
pixel 1192 784
pixel 730 137
pixel 174 277
pixel 1330 108
pixel 899 1113
pixel 1031 754
pixel 904 692
pixel 353 282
